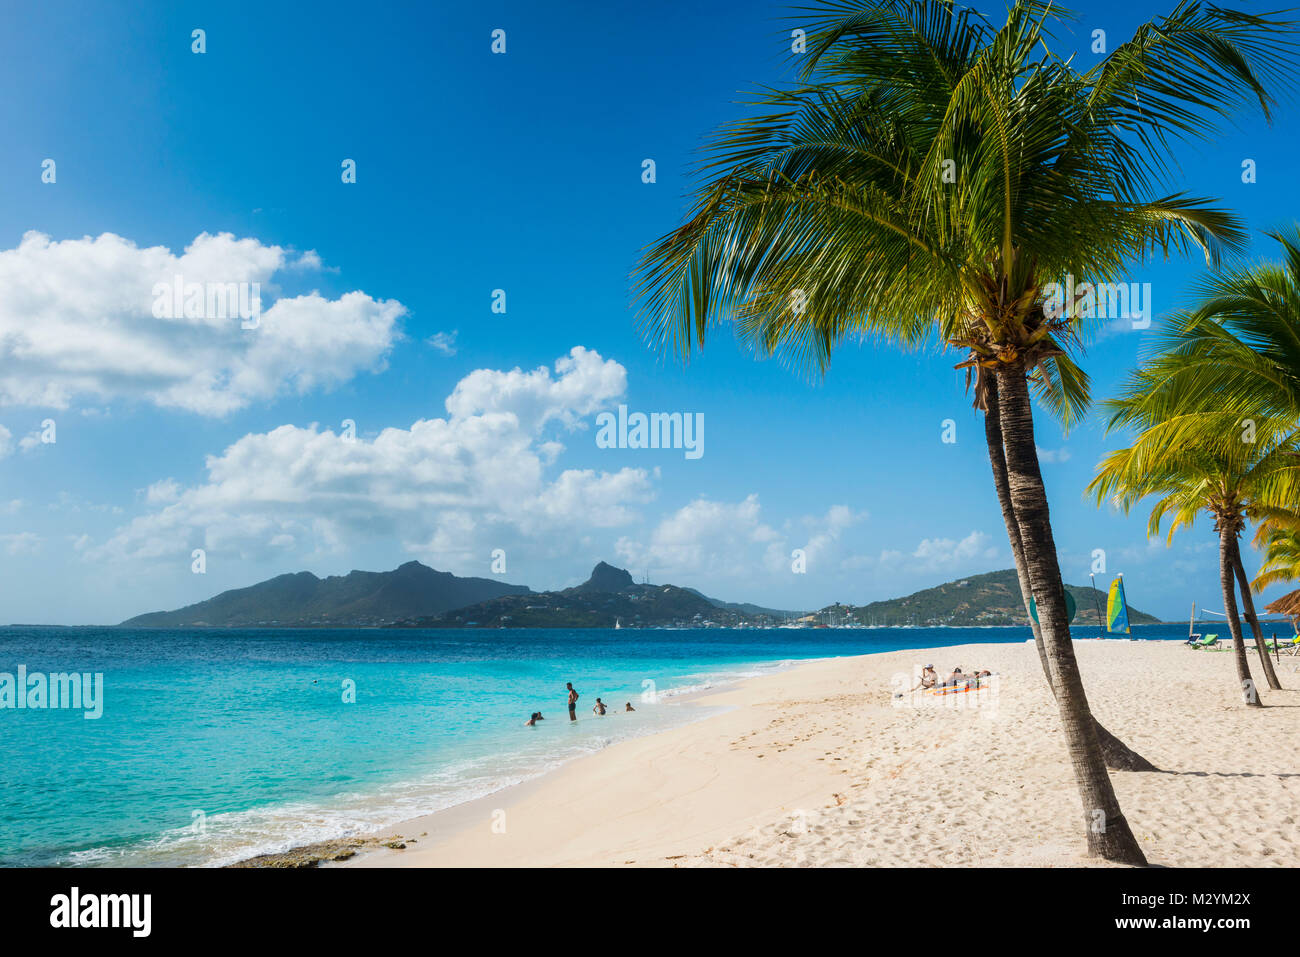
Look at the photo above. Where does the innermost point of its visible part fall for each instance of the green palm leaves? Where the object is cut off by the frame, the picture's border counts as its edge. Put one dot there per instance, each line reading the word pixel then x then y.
pixel 1217 403
pixel 1239 349
pixel 932 173
pixel 1232 467
pixel 1281 556
pixel 926 180
pixel 1217 414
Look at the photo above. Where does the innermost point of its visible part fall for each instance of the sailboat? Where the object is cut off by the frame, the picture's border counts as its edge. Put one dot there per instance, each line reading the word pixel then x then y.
pixel 1117 609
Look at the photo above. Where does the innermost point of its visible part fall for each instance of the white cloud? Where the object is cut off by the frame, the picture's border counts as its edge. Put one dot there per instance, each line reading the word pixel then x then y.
pixel 936 554
pixel 825 533
pixel 585 383
pixel 444 342
pixel 6 442
pixel 20 543
pixel 1053 456
pixel 310 260
pixel 730 539
pixel 445 488
pixel 77 323
pixel 164 490
pixel 721 538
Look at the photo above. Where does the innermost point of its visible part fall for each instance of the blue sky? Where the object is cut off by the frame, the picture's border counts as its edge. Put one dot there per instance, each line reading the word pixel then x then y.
pixel 475 172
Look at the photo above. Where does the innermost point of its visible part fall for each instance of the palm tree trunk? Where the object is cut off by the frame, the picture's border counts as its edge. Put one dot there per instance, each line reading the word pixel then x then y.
pixel 1248 605
pixel 1118 755
pixel 998 462
pixel 1227 539
pixel 1109 835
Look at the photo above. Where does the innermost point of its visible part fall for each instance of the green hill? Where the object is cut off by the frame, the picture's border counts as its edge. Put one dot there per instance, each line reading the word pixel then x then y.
pixel 608 598
pixel 989 599
pixel 356 599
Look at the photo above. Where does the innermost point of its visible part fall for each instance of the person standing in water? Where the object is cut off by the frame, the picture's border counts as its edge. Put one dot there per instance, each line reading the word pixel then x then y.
pixel 573 702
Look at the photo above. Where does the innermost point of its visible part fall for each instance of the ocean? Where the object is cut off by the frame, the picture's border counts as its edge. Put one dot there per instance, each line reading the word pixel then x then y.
pixel 215 745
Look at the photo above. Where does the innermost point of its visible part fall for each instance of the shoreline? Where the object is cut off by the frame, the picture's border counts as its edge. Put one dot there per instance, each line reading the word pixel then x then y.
pixel 352 848
pixel 819 765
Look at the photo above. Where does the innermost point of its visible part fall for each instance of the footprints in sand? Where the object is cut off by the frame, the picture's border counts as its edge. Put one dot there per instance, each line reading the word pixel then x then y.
pixel 944 787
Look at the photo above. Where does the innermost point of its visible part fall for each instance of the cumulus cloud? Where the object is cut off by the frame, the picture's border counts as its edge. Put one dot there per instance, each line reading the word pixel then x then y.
pixel 79 322
pixel 585 383
pixel 825 533
pixel 719 537
pixel 444 487
pixel 730 539
pixel 943 553
pixel 164 490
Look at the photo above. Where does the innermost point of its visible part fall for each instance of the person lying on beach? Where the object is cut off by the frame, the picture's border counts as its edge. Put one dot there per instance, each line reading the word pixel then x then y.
pixel 955 679
pixel 929 677
pixel 599 708
pixel 629 707
pixel 970 678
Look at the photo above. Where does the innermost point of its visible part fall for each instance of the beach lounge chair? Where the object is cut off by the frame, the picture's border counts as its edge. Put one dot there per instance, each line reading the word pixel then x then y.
pixel 1209 641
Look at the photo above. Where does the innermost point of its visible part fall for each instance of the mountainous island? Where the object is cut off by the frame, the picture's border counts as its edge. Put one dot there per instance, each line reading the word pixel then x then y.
pixel 607 599
pixel 989 599
pixel 358 599
pixel 416 596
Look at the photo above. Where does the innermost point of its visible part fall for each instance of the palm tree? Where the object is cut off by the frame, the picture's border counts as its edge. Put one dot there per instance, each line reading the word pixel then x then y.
pixel 1281 556
pixel 1252 475
pixel 1281 564
pixel 930 176
pixel 1223 367
pixel 1248 605
pixel 1238 350
pixel 1116 754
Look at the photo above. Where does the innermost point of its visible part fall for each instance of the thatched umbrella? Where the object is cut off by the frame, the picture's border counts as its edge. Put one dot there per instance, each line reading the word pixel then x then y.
pixel 1289 605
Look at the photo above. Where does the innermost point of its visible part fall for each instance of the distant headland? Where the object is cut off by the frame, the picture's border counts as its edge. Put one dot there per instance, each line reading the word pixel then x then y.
pixel 417 596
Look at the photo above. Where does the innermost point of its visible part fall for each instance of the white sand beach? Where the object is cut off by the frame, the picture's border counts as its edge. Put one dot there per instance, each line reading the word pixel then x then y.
pixel 820 766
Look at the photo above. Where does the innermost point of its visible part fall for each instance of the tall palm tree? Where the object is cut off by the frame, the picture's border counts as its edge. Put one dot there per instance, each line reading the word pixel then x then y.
pixel 1232 474
pixel 930 176
pixel 1116 754
pixel 1221 368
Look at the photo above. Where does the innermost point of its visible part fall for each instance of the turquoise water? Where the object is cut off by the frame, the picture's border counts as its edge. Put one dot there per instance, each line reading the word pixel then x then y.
pixel 217 745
